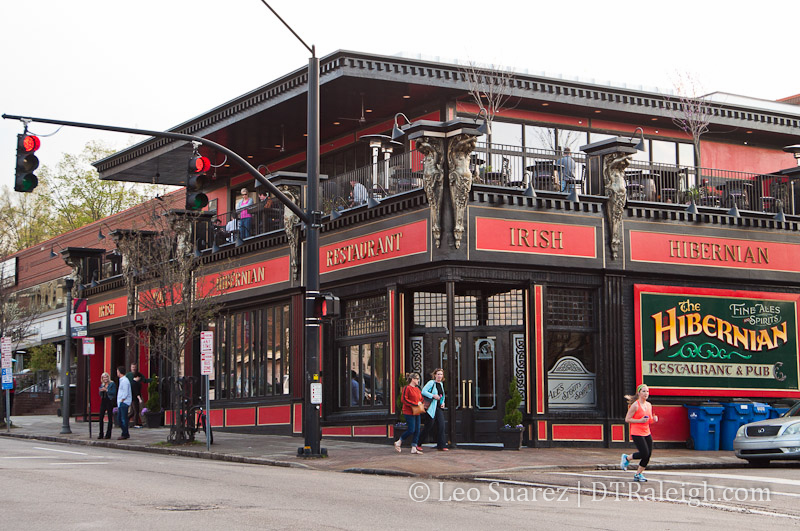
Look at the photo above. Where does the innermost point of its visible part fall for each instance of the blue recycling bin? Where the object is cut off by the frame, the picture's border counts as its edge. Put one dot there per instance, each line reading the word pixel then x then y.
pixel 776 410
pixel 759 411
pixel 704 422
pixel 735 414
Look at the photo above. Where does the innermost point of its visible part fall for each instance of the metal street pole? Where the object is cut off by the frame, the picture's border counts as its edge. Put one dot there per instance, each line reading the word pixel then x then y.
pixel 313 327
pixel 68 283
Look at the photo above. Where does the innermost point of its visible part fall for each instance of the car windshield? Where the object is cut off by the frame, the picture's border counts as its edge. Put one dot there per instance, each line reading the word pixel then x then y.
pixel 794 411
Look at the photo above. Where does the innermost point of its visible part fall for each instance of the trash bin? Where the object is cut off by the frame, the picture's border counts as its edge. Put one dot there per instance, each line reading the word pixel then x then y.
pixel 73 391
pixel 778 408
pixel 704 421
pixel 759 411
pixel 736 413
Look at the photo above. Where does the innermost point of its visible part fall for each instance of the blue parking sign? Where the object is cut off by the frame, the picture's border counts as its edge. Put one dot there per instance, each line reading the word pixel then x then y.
pixel 8 382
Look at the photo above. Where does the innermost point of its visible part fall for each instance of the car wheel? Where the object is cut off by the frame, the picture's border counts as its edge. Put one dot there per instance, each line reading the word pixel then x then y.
pixel 758 462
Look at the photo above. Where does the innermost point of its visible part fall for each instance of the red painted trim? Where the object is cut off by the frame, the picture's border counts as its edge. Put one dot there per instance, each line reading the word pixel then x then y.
pixel 369 431
pixel 617 433
pixel 167 417
pixel 297 418
pixel 107 342
pixel 515 236
pixel 672 425
pixel 656 247
pixel 539 326
pixel 245 416
pixel 217 418
pixel 274 415
pixel 337 431
pixel 265 273
pixel 392 351
pixel 113 309
pixel 381 246
pixel 639 289
pixel 541 430
pixel 577 432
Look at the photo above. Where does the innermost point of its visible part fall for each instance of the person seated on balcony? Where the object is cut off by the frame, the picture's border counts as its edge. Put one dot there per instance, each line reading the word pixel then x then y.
pixel 267 212
pixel 359 195
pixel 566 168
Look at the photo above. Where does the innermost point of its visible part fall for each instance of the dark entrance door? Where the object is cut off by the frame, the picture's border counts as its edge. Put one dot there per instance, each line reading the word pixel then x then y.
pixel 483 368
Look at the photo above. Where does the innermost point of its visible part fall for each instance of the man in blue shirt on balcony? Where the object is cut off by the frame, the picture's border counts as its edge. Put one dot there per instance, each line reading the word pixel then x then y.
pixel 359 195
pixel 566 167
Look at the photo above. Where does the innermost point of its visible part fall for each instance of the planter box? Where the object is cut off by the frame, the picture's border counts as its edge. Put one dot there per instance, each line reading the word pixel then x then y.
pixel 153 419
pixel 511 438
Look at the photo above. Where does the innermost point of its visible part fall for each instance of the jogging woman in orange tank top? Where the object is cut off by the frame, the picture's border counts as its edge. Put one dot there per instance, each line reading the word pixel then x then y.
pixel 640 416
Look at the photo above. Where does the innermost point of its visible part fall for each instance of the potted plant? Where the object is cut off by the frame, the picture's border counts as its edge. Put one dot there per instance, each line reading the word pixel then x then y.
pixel 152 408
pixel 401 425
pixel 511 432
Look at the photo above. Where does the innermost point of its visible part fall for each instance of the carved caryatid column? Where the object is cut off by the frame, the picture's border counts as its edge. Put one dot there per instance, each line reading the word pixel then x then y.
pixel 76 263
pixel 614 166
pixel 433 180
pixel 292 229
pixel 460 180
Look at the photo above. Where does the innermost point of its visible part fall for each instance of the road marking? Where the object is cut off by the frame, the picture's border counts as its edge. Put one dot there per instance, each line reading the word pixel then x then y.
pixel 764 479
pixel 82 463
pixel 688 483
pixel 694 503
pixel 29 457
pixel 60 451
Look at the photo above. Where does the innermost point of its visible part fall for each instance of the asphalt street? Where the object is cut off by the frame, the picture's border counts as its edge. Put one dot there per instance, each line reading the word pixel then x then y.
pixel 69 487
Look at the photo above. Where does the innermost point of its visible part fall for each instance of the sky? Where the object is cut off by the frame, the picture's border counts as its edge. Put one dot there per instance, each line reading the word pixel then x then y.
pixel 155 64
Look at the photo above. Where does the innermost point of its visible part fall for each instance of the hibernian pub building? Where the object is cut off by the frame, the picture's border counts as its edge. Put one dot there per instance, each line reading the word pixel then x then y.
pixel 584 245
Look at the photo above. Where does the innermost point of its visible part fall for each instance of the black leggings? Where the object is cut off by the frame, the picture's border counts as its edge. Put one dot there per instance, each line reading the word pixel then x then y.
pixel 644 443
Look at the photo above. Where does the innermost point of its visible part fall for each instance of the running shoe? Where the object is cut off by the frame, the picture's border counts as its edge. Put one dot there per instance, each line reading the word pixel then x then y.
pixel 636 477
pixel 642 478
pixel 623 462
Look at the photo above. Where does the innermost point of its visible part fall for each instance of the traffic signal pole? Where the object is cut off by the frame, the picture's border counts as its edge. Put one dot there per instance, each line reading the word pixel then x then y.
pixel 179 136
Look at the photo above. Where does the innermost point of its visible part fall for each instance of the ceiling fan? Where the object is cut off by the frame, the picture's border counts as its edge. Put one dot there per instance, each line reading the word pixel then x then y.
pixel 361 119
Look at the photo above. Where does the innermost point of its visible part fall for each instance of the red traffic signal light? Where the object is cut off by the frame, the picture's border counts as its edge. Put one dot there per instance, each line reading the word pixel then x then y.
pixel 199 164
pixel 196 181
pixel 27 162
pixel 326 306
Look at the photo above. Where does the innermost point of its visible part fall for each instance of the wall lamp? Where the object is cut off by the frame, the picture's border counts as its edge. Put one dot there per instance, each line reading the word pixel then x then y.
pixel 640 145
pixel 398 133
pixel 484 128
pixel 100 235
pixel 52 249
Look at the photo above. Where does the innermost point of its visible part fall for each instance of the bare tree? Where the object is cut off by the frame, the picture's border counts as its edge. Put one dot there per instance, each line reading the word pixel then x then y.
pixel 16 316
pixel 694 110
pixel 490 88
pixel 170 303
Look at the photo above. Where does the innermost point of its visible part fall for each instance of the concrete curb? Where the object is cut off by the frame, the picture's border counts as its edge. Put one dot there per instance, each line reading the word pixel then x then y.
pixel 164 451
pixel 381 472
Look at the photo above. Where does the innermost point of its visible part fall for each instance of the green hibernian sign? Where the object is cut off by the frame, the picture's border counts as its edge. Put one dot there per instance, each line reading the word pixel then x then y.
pixel 716 342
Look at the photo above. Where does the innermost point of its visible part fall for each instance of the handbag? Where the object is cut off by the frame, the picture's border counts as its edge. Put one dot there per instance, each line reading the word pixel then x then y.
pixel 417 409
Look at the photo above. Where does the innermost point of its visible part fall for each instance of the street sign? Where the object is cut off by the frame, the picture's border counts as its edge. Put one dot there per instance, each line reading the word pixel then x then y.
pixel 79 324
pixel 5 353
pixel 206 352
pixel 8 382
pixel 316 393
pixel 88 346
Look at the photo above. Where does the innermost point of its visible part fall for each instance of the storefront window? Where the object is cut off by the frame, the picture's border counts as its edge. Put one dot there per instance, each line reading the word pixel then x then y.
pixel 362 367
pixel 571 347
pixel 253 353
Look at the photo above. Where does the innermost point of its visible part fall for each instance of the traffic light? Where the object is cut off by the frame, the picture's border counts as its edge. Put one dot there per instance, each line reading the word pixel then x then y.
pixel 326 306
pixel 24 179
pixel 196 181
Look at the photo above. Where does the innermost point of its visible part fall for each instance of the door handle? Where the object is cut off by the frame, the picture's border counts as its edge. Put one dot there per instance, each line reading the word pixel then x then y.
pixel 463 393
pixel 470 394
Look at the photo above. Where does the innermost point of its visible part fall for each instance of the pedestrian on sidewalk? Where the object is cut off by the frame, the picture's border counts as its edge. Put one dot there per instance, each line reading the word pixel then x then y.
pixel 136 379
pixel 124 399
pixel 434 392
pixel 108 397
pixel 411 396
pixel 640 416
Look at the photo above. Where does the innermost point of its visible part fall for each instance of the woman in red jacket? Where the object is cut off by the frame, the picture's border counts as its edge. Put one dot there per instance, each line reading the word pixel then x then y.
pixel 411 396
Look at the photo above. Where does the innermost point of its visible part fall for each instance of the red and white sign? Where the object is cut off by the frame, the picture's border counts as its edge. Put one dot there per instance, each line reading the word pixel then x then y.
pixel 206 352
pixel 5 348
pixel 88 346
pixel 78 324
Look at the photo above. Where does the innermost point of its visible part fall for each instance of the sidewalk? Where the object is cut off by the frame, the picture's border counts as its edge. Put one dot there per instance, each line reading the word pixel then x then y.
pixel 360 457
